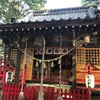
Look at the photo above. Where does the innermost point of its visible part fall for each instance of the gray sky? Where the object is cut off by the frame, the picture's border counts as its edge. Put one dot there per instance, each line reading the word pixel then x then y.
pixel 52 4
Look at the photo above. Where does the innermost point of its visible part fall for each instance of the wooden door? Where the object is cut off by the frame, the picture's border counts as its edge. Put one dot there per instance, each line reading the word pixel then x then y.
pixel 29 63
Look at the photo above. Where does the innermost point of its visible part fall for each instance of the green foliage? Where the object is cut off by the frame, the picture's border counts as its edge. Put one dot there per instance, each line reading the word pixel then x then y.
pixel 16 8
pixel 90 2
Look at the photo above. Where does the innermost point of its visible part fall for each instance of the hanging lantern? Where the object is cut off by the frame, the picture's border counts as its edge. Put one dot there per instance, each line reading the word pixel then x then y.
pixel 89 81
pixel 87 39
pixel 52 64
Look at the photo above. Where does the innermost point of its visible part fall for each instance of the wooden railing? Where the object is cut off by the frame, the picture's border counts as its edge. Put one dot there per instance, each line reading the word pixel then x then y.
pixel 11 92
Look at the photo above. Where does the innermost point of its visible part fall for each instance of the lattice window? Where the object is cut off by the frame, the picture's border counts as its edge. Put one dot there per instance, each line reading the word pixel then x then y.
pixel 85 55
pixel 80 56
pixel 93 55
pixel 13 55
pixel 29 59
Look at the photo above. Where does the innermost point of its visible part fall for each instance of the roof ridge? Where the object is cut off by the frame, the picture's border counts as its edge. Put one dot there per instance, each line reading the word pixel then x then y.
pixel 60 10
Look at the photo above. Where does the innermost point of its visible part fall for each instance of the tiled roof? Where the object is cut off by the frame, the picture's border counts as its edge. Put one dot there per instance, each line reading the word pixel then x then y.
pixel 60 14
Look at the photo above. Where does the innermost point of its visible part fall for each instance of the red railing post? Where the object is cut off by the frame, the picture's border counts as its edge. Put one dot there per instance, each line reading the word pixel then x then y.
pixel 83 96
pixel 65 94
pixel 70 94
pixel 11 92
pixel 88 94
pixel 78 95
pixel 49 93
pixel 52 94
pixel 74 96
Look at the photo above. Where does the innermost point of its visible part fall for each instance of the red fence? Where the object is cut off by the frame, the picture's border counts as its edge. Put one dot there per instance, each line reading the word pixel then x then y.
pixel 11 92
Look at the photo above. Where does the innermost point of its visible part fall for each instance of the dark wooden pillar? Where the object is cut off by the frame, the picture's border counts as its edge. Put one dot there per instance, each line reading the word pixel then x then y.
pixel 5 53
pixel 98 41
pixel 17 67
pixel 9 52
pixel 74 69
pixel 74 63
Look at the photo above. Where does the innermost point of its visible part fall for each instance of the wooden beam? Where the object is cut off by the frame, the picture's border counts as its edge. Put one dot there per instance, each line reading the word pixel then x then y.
pixel 49 24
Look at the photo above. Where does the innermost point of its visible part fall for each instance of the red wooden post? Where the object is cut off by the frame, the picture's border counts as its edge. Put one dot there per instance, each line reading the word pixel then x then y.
pixel 3 76
pixel 50 93
pixel 89 94
pixel 27 92
pixel 61 92
pixel 74 95
pixel 70 94
pixel 78 95
pixel 66 94
pixel 2 90
pixel 53 94
pixel 83 96
pixel 33 93
pixel 36 91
